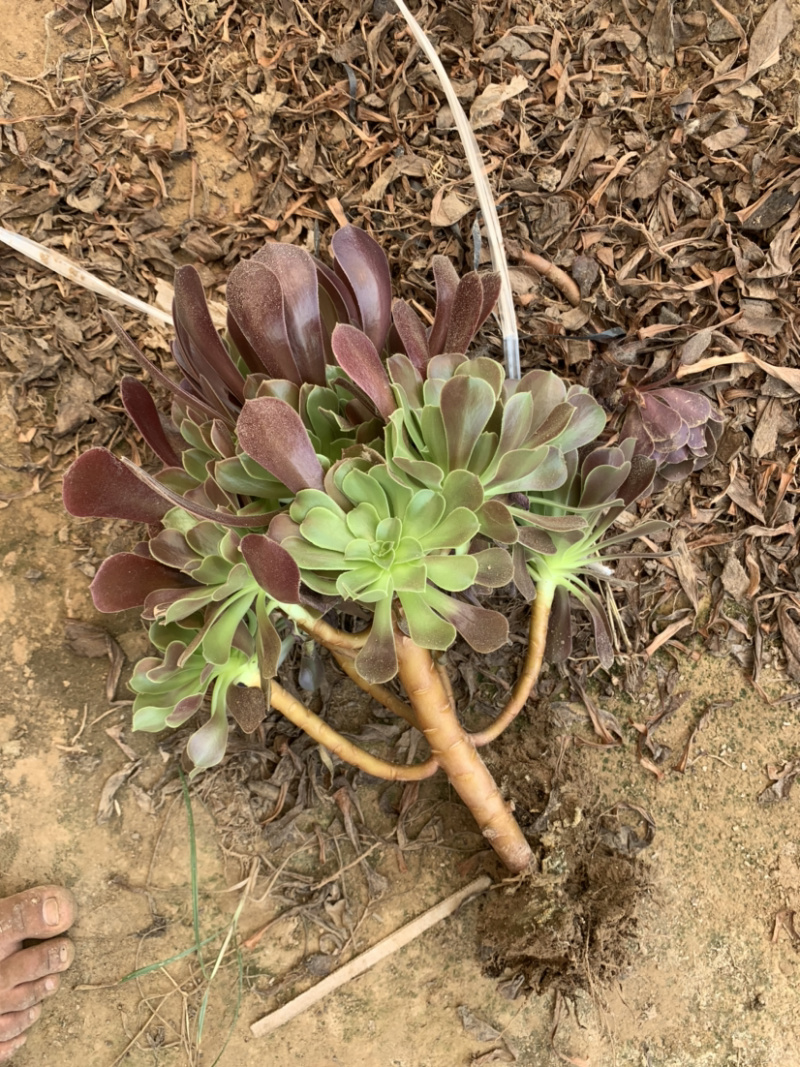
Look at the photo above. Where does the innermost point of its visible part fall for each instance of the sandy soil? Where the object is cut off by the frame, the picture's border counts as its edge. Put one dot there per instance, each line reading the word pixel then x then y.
pixel 709 981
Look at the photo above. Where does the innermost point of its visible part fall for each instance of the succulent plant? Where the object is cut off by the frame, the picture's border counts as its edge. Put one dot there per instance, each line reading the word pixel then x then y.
pixel 600 484
pixel 678 428
pixel 330 449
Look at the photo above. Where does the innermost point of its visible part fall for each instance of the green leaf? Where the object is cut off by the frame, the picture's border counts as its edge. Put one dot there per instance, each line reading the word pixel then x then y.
pixel 360 488
pixel 389 530
pixel 307 499
pixel 427 629
pixel 452 573
pixel 463 489
pixel 454 531
pixel 218 638
pixel 206 746
pixel 309 557
pixel 489 370
pixel 410 577
pixel 212 571
pixel 362 522
pixel 359 582
pixel 423 513
pixel 377 660
pixel 466 405
pixel 325 530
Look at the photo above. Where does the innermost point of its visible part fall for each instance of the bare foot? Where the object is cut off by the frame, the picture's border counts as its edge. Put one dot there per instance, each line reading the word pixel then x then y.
pixel 29 975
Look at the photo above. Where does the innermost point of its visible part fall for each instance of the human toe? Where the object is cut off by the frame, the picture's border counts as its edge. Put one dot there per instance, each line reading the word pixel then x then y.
pixel 37 913
pixel 46 959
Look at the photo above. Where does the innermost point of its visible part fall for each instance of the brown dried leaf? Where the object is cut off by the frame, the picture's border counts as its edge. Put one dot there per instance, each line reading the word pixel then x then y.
pixel 448 209
pixel 790 632
pixel 776 24
pixel 782 780
pixel 477 1027
pixel 594 142
pixel 766 434
pixel 734 577
pixel 487 109
pixel 105 808
pixel 661 38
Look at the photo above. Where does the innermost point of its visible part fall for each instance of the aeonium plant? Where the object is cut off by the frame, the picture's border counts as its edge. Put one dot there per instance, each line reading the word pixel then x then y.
pixel 329 450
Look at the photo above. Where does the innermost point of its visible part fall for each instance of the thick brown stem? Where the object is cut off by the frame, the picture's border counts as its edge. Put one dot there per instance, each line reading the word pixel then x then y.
pixel 455 753
pixel 317 728
pixel 326 634
pixel 540 616
pixel 377 692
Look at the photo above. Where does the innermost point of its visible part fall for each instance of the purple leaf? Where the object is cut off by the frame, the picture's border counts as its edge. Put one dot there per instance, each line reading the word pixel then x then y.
pixel 559 628
pixel 693 408
pixel 187 501
pixel 482 629
pixel 256 317
pixel 295 270
pixel 272 567
pixel 363 263
pixel 491 291
pixel 273 434
pixel 466 313
pixel 100 485
pixel 339 292
pixel 144 415
pixel 663 423
pixel 158 375
pixel 446 278
pixel 201 345
pixel 412 334
pixel 638 481
pixel 358 357
pixel 126 580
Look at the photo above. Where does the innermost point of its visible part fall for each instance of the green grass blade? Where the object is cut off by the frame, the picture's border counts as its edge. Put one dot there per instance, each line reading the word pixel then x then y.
pixel 172 959
pixel 193 865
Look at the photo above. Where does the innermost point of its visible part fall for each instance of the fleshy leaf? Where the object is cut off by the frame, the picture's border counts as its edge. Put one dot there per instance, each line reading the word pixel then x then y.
pixel 427 629
pixel 377 660
pixel 98 484
pixel 357 356
pixel 126 580
pixel 295 270
pixel 412 333
pixel 466 404
pixel 273 434
pixel 495 568
pixel 272 567
pixel 144 415
pixel 363 263
pixel 256 317
pixel 482 629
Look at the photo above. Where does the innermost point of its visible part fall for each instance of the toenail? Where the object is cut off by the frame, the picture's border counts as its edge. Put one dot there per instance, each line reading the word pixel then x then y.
pixel 50 911
pixel 49 984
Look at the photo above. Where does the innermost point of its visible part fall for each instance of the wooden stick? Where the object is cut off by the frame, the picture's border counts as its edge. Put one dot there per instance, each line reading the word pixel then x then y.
pixel 368 959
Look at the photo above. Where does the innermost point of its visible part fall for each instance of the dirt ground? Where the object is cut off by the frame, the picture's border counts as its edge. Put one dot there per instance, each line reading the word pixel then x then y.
pixel 708 980
pixel 705 965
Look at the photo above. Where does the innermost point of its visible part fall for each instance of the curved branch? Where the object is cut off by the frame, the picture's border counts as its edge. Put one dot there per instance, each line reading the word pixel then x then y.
pixel 540 616
pixel 557 277
pixel 377 692
pixel 346 750
pixel 328 635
